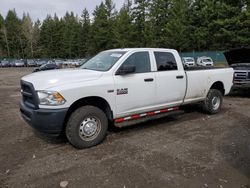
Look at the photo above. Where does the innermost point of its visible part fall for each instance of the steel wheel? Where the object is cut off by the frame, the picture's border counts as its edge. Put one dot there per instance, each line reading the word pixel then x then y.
pixel 89 128
pixel 216 102
pixel 213 102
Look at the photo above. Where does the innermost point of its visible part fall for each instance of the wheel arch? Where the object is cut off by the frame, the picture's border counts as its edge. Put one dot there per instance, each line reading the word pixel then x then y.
pixel 219 86
pixel 93 101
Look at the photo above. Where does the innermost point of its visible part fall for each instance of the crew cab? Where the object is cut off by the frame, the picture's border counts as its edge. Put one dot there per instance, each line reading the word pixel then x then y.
pixel 118 87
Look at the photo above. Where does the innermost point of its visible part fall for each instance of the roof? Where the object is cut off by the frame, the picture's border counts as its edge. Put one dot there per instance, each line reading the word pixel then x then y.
pixel 132 49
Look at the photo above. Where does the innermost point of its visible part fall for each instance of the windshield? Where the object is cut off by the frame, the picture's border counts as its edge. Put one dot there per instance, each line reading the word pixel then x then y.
pixel 207 60
pixel 189 60
pixel 103 61
pixel 44 65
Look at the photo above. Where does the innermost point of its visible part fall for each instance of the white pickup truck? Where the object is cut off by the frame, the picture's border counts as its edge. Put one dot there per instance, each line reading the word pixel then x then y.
pixel 118 87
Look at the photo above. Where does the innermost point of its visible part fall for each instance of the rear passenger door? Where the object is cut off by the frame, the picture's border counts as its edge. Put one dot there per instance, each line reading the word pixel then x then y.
pixel 170 82
pixel 135 92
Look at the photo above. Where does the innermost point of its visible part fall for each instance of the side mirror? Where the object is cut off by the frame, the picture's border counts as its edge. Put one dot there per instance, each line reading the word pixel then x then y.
pixel 126 69
pixel 185 66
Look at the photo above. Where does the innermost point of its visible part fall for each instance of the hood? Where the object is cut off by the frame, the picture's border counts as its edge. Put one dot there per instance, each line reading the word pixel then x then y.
pixel 47 79
pixel 241 66
pixel 238 56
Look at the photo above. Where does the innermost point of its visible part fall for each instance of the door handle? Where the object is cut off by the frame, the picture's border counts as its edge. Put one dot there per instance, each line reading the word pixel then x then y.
pixel 148 79
pixel 179 77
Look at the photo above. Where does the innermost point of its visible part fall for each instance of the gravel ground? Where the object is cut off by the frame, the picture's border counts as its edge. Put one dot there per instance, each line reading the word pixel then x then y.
pixel 190 149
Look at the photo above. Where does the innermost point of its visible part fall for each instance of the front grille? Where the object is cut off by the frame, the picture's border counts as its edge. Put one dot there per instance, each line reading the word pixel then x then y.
pixel 241 76
pixel 29 95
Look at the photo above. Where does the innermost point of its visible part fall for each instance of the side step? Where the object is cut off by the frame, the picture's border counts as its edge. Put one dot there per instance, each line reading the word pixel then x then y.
pixel 140 118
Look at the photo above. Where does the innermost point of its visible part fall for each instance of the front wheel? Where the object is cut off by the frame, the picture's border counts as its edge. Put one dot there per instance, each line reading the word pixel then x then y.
pixel 86 127
pixel 213 102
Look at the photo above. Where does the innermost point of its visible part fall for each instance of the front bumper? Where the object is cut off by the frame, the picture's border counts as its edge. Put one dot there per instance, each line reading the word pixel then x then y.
pixel 241 85
pixel 49 121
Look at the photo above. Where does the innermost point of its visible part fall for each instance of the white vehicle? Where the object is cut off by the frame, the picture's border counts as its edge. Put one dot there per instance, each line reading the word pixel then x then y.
pixel 188 61
pixel 205 61
pixel 58 62
pixel 120 87
pixel 31 63
pixel 19 63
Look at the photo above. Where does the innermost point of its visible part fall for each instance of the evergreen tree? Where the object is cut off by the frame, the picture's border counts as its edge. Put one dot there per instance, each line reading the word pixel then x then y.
pixel 84 34
pixel 46 39
pixel 52 39
pixel 142 24
pixel 28 32
pixel 159 15
pixel 111 17
pixel 2 37
pixel 14 38
pixel 123 27
pixel 202 14
pixel 182 24
pixel 58 28
pixel 36 38
pixel 71 35
pixel 217 25
pixel 100 30
pixel 229 28
pixel 243 30
pixel 177 29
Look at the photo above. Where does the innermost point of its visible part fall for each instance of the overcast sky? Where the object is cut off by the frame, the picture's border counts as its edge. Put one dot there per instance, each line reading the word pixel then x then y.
pixel 38 9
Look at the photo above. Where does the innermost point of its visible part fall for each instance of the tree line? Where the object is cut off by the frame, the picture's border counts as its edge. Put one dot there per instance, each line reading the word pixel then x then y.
pixel 185 25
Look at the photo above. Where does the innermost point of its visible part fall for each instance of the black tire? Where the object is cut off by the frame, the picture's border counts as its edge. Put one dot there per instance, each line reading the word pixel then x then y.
pixel 76 129
pixel 213 102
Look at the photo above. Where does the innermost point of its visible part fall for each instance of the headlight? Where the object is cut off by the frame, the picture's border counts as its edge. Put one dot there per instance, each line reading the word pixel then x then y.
pixel 50 98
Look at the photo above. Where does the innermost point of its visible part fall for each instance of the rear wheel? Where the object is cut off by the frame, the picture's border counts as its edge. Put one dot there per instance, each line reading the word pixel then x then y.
pixel 213 102
pixel 87 127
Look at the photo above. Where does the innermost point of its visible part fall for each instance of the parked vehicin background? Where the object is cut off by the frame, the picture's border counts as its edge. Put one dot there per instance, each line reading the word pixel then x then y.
pixel 120 87
pixel 58 62
pixel 31 63
pixel 205 61
pixel 188 61
pixel 70 63
pixel 82 61
pixel 5 63
pixel 19 63
pixel 47 66
pixel 40 62
pixel 77 63
pixel 12 62
pixel 239 60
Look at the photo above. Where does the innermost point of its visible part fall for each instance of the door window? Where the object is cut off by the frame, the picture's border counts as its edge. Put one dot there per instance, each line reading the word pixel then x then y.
pixel 140 60
pixel 165 61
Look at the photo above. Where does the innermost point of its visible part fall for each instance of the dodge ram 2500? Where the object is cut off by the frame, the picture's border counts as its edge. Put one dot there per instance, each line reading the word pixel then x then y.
pixel 120 87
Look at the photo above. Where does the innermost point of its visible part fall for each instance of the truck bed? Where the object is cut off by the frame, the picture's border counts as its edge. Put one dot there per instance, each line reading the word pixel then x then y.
pixel 199 81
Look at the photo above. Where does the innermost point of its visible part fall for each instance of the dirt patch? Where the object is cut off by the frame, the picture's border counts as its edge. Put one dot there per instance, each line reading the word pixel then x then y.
pixel 188 150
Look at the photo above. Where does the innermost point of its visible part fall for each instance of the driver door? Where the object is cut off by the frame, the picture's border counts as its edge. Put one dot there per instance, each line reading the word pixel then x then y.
pixel 135 92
